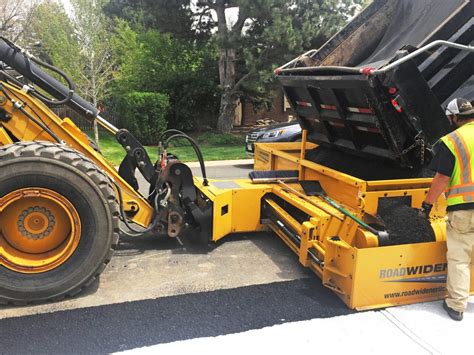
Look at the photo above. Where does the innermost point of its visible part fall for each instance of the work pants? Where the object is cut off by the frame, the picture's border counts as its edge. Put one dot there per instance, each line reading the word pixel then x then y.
pixel 460 242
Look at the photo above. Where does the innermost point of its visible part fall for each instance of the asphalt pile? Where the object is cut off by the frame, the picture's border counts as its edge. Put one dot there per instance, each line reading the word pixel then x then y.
pixel 400 220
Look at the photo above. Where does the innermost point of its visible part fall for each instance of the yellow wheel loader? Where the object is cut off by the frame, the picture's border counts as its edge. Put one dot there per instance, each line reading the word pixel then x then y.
pixel 61 201
pixel 63 205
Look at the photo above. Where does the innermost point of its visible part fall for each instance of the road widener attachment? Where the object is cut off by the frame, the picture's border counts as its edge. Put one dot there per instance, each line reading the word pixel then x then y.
pixel 399 259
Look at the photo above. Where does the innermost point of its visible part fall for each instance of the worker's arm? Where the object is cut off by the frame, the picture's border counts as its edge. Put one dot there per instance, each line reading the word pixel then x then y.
pixel 439 184
pixel 443 164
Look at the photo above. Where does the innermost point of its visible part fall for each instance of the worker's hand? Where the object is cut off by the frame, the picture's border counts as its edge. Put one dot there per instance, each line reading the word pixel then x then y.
pixel 424 211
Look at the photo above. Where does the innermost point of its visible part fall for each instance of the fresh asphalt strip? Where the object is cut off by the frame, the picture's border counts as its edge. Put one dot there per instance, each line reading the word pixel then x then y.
pixel 124 326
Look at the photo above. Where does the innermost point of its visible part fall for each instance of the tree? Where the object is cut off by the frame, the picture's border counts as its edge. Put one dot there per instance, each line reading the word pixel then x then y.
pixel 93 31
pixel 15 16
pixel 150 61
pixel 253 37
pixel 166 16
pixel 264 34
pixel 53 32
pixel 79 44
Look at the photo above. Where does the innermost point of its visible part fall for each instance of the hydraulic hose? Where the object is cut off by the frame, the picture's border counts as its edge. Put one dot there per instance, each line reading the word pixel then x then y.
pixel 136 232
pixel 196 150
pixel 168 131
pixel 19 60
pixel 70 83
pixel 19 106
pixel 36 94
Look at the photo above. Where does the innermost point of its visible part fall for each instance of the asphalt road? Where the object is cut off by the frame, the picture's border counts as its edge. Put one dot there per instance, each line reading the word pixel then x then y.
pixel 157 290
pixel 125 326
pixel 239 171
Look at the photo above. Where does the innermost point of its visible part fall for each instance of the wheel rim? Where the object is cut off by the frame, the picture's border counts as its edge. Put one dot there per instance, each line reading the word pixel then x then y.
pixel 39 230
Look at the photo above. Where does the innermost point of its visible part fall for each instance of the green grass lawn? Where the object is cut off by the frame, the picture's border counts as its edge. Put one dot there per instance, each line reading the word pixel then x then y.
pixel 213 146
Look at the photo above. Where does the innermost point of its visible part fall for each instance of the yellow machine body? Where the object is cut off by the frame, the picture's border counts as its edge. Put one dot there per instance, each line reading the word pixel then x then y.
pixel 346 257
pixel 23 129
pixel 53 242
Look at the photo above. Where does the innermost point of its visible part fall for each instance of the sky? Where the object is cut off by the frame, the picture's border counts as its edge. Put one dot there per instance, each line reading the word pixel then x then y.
pixel 67 5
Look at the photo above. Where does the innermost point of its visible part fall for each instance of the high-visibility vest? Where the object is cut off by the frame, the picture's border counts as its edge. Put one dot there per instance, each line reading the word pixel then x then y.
pixel 461 185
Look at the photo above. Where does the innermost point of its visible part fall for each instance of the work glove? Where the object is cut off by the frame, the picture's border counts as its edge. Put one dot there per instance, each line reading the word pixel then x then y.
pixel 424 211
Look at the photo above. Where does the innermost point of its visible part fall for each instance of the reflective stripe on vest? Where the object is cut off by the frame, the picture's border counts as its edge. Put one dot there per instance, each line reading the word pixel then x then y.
pixel 461 185
pixel 463 156
pixel 466 192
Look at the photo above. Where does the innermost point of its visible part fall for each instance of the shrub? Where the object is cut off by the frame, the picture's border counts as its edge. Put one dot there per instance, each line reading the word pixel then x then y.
pixel 185 70
pixel 144 115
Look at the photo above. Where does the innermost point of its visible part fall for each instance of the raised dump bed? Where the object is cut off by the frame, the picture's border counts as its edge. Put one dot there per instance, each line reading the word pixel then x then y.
pixel 396 115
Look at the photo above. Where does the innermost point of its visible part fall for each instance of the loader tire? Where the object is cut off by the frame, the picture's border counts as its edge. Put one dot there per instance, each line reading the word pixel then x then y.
pixel 59 222
pixel 93 145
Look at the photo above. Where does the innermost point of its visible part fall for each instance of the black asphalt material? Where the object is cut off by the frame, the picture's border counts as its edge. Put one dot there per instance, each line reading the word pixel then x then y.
pixel 130 325
pixel 402 222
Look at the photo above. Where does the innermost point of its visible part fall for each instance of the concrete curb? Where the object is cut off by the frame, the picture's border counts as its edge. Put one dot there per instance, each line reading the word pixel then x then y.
pixel 221 163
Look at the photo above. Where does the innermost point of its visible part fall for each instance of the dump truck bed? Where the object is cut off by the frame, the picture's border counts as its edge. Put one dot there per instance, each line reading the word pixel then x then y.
pixel 397 115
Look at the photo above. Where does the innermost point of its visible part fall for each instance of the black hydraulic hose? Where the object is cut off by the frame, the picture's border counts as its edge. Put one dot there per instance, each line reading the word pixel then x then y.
pixel 19 106
pixel 42 125
pixel 10 79
pixel 27 58
pixel 196 150
pixel 14 82
pixel 70 83
pixel 136 232
pixel 14 57
pixel 47 101
pixel 168 131
pixel 163 135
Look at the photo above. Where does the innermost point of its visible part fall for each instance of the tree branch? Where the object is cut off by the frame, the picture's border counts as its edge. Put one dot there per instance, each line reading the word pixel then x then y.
pixel 250 73
pixel 210 4
pixel 239 24
pixel 201 14
pixel 242 80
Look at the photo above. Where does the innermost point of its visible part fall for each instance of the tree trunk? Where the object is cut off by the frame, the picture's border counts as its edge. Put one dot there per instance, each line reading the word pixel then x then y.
pixel 229 99
pixel 228 105
pixel 96 125
pixel 96 133
pixel 94 98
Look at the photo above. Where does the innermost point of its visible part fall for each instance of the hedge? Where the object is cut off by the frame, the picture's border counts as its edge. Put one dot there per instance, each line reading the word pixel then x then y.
pixel 144 115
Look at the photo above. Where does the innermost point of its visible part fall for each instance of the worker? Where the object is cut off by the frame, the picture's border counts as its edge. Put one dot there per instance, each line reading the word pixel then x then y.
pixel 454 176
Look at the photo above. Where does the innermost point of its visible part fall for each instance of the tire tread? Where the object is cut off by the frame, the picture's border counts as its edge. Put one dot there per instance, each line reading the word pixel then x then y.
pixel 96 174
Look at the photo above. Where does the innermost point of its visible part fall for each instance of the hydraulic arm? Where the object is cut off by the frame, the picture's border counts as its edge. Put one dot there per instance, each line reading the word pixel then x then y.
pixel 21 106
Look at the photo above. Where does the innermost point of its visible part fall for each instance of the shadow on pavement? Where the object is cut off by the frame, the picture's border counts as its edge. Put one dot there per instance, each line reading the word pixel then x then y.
pixel 244 166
